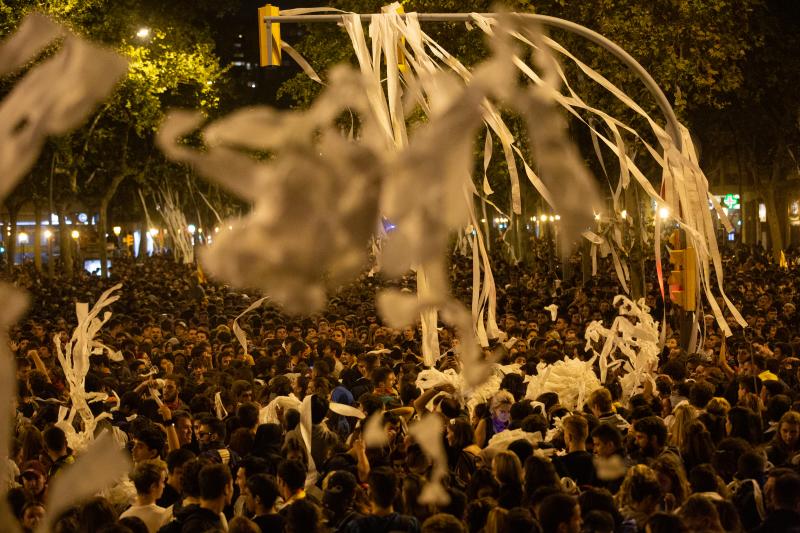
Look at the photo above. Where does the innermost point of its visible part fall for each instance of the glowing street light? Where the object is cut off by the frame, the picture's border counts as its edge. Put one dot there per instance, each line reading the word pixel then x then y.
pixel 624 214
pixel 552 218
pixel 23 238
pixel 48 234
pixel 558 217
pixel 117 230
pixel 75 234
pixel 192 229
pixel 143 33
pixel 663 213
pixel 153 232
pixel 597 216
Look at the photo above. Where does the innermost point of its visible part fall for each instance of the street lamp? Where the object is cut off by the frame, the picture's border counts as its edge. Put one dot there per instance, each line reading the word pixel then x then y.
pixel 143 33
pixel 192 228
pixel 153 232
pixel 117 230
pixel 663 213
pixel 23 240
pixel 47 234
pixel 75 234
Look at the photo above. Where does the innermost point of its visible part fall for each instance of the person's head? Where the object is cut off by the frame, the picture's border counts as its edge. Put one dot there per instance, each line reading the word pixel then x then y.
pixel 600 401
pixel 172 386
pixel 148 443
pixel 665 523
pixel 640 489
pixel 786 494
pixel 95 514
pixel 500 405
pixel 216 484
pixel 183 426
pixel 442 523
pixel 700 514
pixel 148 478
pixel 560 513
pixel 291 477
pixel 339 490
pixel 261 493
pixel 382 486
pixel 507 468
pixel 211 433
pixel 55 441
pixel 540 472
pixel 176 460
pixel 576 431
pixel 32 514
pixel 650 435
pixel 671 476
pixel 302 516
pixel 34 479
pixel 606 440
pixel 249 466
pixel 789 429
pixel 460 434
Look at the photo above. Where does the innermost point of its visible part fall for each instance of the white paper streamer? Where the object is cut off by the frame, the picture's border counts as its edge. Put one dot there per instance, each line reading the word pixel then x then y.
pixel 427 432
pixel 102 464
pixel 74 360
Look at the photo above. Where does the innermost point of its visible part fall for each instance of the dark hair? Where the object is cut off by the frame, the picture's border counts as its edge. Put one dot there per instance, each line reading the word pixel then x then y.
pixel 153 437
pixel 340 491
pixel 146 474
pixel 302 516
pixel 265 487
pixel 382 486
pixel 665 523
pixel 213 481
pixel 745 424
pixel 703 478
pixel 96 514
pixel 463 433
pixel 555 510
pixel 477 513
pixel 700 394
pixel 652 426
pixel 190 478
pixel 178 458
pixel 254 465
pixel 293 473
pixel 247 413
pixel 750 465
pixel 215 426
pixel 54 439
pixel 442 523
pixel 787 492
pixel 608 433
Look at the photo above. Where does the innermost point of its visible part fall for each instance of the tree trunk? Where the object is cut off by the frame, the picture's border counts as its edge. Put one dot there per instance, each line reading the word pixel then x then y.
pixel 37 236
pixel 65 242
pixel 11 248
pixel 636 257
pixel 102 221
pixel 775 222
pixel 143 238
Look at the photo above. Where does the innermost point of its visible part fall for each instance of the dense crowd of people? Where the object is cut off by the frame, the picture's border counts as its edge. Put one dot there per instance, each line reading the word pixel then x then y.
pixel 713 444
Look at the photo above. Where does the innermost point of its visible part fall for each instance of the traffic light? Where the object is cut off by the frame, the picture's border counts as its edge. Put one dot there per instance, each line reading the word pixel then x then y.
pixel 683 278
pixel 269 42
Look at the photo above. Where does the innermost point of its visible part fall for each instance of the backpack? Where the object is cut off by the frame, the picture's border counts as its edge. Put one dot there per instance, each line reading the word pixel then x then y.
pixel 749 500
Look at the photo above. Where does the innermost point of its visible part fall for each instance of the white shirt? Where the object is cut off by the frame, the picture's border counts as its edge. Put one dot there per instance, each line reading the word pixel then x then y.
pixel 152 515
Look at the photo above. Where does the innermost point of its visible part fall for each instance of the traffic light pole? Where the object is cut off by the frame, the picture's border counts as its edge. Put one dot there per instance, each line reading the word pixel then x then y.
pixel 686 318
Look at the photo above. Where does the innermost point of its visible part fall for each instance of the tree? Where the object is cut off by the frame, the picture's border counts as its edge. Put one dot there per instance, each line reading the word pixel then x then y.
pixel 173 65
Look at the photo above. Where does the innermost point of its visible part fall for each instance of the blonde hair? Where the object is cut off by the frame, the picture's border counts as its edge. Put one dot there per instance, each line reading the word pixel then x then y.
pixel 718 406
pixel 502 397
pixel 684 415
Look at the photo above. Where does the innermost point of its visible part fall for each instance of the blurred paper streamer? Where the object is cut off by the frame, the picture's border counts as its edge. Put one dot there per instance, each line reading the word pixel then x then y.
pixel 101 465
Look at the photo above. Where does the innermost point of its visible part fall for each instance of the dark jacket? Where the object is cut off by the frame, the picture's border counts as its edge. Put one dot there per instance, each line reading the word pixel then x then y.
pixel 780 521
